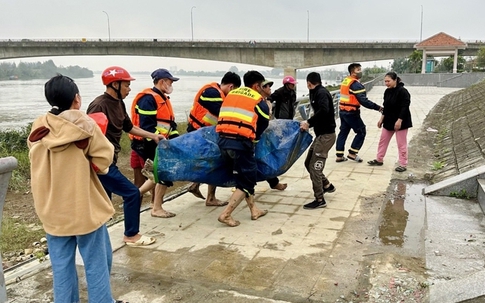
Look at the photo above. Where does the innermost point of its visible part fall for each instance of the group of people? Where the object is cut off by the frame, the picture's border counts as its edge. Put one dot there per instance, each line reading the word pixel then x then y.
pixel 74 162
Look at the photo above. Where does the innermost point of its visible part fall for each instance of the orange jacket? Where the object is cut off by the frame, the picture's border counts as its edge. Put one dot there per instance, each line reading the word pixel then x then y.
pixel 348 102
pixel 199 116
pixel 164 113
pixel 238 117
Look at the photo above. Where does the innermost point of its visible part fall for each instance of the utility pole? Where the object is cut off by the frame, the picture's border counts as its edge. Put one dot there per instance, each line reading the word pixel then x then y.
pixel 109 31
pixel 192 22
pixel 421 33
pixel 308 26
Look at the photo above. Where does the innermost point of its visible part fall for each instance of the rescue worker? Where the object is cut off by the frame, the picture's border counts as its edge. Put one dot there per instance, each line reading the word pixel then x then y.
pixel 204 112
pixel 352 96
pixel 243 117
pixel 152 111
pixel 117 81
pixel 284 99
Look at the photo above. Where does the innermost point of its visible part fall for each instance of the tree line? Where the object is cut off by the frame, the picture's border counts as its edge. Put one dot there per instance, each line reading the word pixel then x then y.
pixel 40 70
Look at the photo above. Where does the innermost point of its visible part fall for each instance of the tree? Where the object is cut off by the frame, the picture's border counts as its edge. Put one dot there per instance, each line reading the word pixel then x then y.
pixel 415 61
pixel 480 61
pixel 234 69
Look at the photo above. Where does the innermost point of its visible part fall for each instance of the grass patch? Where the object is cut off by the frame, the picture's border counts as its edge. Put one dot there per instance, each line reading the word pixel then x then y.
pixel 16 236
pixel 13 143
pixel 437 165
pixel 462 194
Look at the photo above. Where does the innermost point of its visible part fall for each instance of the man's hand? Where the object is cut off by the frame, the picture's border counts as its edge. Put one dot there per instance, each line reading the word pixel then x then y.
pixel 304 125
pixel 157 138
pixel 381 109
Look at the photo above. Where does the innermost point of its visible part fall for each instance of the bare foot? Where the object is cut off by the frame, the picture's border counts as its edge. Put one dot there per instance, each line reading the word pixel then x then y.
pixel 281 186
pixel 258 213
pixel 161 213
pixel 228 220
pixel 215 202
pixel 194 190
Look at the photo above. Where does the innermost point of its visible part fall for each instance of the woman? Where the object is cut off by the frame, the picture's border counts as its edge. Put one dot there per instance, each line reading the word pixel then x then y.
pixel 67 148
pixel 395 119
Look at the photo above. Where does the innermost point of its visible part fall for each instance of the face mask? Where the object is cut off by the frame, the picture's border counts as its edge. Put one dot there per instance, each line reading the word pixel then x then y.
pixel 358 75
pixel 168 88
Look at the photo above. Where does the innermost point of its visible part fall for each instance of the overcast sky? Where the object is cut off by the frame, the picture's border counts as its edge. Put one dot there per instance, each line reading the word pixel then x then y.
pixel 274 20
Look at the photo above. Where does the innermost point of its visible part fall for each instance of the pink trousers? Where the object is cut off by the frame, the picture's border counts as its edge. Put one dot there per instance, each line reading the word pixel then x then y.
pixel 402 145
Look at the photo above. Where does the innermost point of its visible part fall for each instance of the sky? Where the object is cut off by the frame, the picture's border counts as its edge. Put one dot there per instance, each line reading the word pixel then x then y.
pixel 270 20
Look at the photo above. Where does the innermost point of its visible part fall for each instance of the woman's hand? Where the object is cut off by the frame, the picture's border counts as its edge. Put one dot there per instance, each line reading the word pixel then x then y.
pixel 397 125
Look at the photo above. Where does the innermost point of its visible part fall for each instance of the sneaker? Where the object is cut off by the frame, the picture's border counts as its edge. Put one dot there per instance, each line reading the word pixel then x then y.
pixel 315 204
pixel 329 189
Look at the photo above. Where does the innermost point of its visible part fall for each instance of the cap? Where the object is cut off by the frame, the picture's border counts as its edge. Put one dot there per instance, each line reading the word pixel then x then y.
pixel 163 73
pixel 289 79
pixel 267 82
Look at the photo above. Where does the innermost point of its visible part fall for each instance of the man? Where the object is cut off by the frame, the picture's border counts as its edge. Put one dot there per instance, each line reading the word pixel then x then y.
pixel 117 81
pixel 152 111
pixel 323 123
pixel 284 99
pixel 205 111
pixel 352 96
pixel 274 183
pixel 243 117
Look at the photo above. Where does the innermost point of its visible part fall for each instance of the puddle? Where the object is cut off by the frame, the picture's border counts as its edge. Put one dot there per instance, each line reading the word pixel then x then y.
pixel 403 217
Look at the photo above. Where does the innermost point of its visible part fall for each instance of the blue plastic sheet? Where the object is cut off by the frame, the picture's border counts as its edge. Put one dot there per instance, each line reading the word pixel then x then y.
pixel 196 157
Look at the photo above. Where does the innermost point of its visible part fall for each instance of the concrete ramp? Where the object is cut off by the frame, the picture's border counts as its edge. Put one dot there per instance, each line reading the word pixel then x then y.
pixel 464 184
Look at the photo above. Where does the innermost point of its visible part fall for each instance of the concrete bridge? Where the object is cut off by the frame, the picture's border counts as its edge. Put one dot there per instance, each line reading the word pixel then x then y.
pixel 280 54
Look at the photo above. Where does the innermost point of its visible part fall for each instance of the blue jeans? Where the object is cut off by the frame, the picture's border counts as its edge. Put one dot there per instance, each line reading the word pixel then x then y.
pixel 96 252
pixel 115 182
pixel 350 121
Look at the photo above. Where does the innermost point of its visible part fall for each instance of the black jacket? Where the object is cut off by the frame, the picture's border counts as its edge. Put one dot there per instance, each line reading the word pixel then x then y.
pixel 396 106
pixel 284 99
pixel 323 119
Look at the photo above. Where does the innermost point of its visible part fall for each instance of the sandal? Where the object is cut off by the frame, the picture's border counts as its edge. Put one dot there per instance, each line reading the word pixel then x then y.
pixel 356 159
pixel 341 159
pixel 375 163
pixel 400 169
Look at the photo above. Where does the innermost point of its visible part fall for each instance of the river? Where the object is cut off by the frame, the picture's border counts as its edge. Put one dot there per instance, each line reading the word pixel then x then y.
pixel 21 101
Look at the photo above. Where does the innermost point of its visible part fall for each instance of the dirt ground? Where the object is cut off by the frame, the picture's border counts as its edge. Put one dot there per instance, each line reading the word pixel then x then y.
pixel 20 206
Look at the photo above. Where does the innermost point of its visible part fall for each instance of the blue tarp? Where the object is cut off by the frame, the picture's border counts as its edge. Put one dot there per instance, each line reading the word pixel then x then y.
pixel 196 157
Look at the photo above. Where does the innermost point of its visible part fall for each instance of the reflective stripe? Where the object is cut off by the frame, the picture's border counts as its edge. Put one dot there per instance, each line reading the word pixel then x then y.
pixel 210 99
pixel 234 114
pixel 358 91
pixel 210 119
pixel 261 112
pixel 145 112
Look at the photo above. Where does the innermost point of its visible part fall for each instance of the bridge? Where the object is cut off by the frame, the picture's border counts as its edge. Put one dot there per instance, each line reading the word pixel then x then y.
pixel 280 54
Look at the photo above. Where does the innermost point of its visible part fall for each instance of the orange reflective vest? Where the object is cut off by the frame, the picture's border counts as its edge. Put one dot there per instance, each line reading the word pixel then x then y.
pixel 238 117
pixel 199 116
pixel 348 102
pixel 164 113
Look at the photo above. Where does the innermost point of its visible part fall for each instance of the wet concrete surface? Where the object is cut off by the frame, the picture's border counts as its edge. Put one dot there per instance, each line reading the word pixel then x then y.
pixel 375 241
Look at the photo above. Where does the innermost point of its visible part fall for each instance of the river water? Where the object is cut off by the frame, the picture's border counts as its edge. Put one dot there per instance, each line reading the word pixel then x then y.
pixel 21 101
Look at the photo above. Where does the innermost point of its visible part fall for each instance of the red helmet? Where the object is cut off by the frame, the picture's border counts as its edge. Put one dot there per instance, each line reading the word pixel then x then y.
pixel 115 73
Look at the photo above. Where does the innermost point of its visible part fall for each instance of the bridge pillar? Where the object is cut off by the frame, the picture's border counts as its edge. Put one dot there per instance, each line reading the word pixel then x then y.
pixel 7 165
pixel 290 71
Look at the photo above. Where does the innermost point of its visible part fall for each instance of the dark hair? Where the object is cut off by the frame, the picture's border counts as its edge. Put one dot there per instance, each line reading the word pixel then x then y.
pixel 60 92
pixel 353 66
pixel 394 76
pixel 231 78
pixel 252 77
pixel 314 78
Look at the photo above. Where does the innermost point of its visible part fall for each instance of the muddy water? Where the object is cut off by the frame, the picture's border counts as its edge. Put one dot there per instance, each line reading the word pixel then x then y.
pixel 403 217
